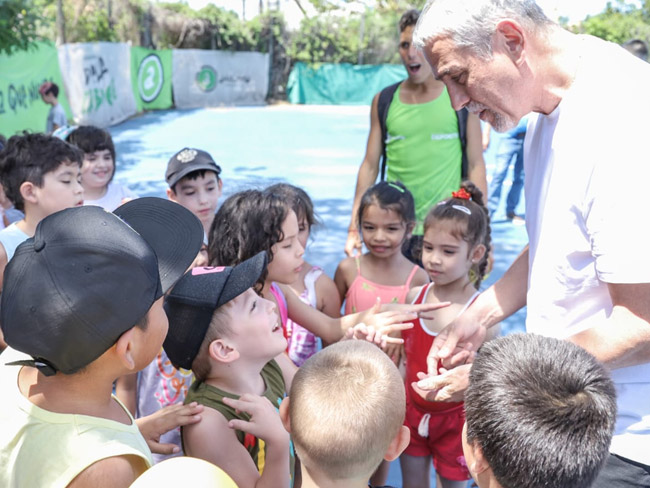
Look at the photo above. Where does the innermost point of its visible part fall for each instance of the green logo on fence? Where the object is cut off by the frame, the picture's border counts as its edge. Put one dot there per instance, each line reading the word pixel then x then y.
pixel 150 78
pixel 206 78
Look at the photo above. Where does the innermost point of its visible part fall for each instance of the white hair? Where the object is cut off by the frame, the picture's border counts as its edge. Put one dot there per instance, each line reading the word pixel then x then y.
pixel 470 24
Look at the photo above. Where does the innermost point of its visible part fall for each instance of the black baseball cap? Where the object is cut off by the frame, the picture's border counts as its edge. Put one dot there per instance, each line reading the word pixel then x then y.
pixel 89 275
pixel 186 161
pixel 194 299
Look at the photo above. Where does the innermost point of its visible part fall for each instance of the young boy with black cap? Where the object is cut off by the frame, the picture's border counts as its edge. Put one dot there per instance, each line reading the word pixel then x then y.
pixel 229 336
pixel 82 301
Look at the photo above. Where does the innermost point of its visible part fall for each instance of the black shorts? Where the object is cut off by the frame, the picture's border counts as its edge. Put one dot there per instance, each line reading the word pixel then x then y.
pixel 620 472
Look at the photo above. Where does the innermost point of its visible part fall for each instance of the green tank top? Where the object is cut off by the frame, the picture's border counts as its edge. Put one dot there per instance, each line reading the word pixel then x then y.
pixel 212 397
pixel 423 150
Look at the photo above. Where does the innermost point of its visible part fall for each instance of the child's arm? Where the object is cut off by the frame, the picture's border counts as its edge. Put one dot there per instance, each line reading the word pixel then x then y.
pixel 112 472
pixel 153 426
pixel 396 351
pixel 344 276
pixel 126 391
pixel 214 440
pixel 329 301
pixel 332 330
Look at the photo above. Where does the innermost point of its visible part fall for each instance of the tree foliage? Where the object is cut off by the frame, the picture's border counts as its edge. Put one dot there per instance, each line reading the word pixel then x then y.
pixel 18 25
pixel 349 31
pixel 619 23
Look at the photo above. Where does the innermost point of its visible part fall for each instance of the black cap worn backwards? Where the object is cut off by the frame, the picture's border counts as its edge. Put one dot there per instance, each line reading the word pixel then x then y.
pixel 89 275
pixel 196 296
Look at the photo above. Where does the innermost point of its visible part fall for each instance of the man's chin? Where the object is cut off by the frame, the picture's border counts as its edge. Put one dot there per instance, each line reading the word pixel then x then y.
pixel 502 124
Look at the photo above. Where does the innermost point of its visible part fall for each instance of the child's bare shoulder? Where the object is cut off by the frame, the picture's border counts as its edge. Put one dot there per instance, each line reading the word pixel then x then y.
pixel 116 471
pixel 200 436
pixel 347 265
pixel 413 293
pixel 420 278
pixel 345 273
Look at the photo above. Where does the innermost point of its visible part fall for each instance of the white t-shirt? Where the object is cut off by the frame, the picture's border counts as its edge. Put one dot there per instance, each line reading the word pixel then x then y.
pixel 586 167
pixel 113 198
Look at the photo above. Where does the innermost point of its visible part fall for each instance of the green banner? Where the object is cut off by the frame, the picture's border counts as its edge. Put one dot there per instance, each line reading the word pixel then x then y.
pixel 340 84
pixel 21 74
pixel 151 77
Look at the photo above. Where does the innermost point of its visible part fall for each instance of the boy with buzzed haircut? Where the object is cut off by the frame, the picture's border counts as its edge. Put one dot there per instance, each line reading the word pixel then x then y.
pixel 229 336
pixel 346 413
pixel 82 302
pixel 540 412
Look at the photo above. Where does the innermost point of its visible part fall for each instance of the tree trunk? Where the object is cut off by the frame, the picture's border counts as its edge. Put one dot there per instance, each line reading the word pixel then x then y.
pixel 60 23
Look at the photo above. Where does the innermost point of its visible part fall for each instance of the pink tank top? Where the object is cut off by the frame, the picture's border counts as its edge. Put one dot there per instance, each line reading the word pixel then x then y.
pixel 363 293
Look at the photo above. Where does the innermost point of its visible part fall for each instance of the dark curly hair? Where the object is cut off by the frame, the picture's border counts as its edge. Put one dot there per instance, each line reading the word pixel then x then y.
pixel 247 222
pixel 28 157
pixel 298 200
pixel 473 228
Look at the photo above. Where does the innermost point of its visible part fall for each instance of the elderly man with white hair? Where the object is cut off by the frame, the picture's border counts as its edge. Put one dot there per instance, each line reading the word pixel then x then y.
pixel 585 275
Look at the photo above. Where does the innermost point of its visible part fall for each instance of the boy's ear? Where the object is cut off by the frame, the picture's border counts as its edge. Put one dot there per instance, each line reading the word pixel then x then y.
pixel 479 464
pixel 478 253
pixel 28 192
pixel 223 352
pixel 171 194
pixel 124 349
pixel 398 444
pixel 219 185
pixel 284 414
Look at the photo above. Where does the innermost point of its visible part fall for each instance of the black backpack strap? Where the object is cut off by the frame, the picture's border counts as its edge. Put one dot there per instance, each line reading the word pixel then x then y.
pixel 385 99
pixel 462 115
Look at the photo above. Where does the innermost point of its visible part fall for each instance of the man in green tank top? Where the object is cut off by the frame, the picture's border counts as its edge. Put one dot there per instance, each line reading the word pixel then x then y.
pixel 423 147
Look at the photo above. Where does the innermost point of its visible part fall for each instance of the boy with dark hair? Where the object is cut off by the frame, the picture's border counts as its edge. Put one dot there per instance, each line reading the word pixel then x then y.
pixel 98 168
pixel 540 412
pixel 40 175
pixel 346 414
pixel 194 182
pixel 83 304
pixel 229 336
pixel 56 117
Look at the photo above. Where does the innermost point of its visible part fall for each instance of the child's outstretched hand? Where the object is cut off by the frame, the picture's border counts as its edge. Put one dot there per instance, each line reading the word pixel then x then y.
pixel 265 420
pixel 381 316
pixel 379 336
pixel 167 418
